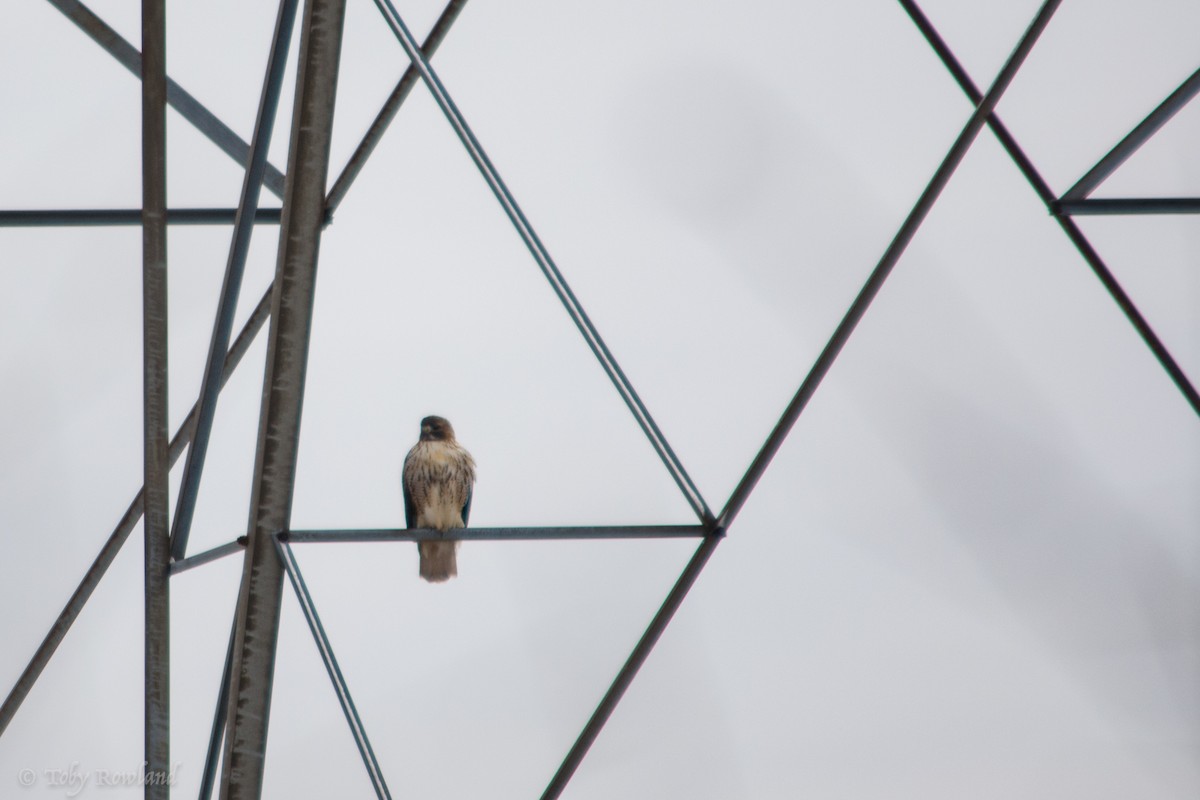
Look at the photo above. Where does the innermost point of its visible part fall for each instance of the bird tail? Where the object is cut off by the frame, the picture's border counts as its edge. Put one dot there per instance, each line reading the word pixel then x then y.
pixel 439 561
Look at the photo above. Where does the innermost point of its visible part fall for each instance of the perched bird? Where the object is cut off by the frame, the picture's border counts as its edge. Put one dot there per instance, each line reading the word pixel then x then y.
pixel 438 479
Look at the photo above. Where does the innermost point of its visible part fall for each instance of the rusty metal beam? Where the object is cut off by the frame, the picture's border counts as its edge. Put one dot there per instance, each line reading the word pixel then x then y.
pixel 156 519
pixel 257 625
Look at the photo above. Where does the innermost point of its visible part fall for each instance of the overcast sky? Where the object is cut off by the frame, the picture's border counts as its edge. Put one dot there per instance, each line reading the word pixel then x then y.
pixel 973 569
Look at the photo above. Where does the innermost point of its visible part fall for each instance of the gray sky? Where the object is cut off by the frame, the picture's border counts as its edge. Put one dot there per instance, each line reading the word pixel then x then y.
pixel 972 570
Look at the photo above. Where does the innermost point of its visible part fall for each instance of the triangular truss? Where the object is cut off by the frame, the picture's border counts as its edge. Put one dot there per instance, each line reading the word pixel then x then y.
pixel 243 706
pixel 1077 199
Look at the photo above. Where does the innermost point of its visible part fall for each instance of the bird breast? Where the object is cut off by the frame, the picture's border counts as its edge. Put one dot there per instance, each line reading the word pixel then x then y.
pixel 439 476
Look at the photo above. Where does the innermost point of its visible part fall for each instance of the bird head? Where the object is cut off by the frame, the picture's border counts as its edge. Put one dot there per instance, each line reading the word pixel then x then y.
pixel 436 429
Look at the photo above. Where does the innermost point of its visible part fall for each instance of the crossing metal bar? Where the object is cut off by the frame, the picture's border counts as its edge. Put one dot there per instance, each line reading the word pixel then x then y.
pixel 235 268
pixel 1128 205
pixel 340 688
pixel 386 114
pixel 1135 139
pixel 630 669
pixel 880 274
pixel 96 217
pixel 129 520
pixel 546 263
pixel 157 521
pixel 1099 268
pixel 283 392
pixel 216 735
pixel 495 534
pixel 208 556
pixel 188 107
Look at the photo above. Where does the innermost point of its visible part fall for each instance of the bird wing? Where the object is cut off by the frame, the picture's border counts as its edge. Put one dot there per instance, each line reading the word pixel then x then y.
pixel 410 508
pixel 466 509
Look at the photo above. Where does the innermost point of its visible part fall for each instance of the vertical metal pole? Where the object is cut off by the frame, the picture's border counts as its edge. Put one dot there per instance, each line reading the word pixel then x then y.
pixel 120 534
pixel 884 268
pixel 235 268
pixel 283 391
pixel 154 375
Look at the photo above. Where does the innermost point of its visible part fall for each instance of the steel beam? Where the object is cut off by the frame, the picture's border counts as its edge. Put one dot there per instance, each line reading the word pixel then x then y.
pixel 188 107
pixel 630 669
pixel 216 734
pixel 235 268
pixel 112 546
pixel 390 107
pixel 880 274
pixel 283 390
pixel 156 519
pixel 1135 139
pixel 1099 268
pixel 659 442
pixel 340 687
pixel 95 217
pixel 208 556
pixel 495 534
pixel 1127 205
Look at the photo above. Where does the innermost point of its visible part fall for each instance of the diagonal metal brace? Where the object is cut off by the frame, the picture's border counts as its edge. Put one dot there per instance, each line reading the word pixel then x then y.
pixel 129 520
pixel 325 648
pixel 884 268
pixel 557 282
pixel 1073 232
pixel 390 108
pixel 1135 139
pixel 235 268
pixel 188 106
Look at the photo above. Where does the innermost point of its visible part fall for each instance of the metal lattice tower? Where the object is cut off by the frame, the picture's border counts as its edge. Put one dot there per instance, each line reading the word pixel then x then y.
pixel 239 731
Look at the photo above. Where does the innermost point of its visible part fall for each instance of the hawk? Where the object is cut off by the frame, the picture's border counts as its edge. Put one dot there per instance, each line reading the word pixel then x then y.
pixel 438 479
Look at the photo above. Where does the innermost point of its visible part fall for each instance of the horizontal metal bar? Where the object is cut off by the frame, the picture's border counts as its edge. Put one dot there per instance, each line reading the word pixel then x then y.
pixel 1136 138
pixel 184 564
pixel 188 106
pixel 496 534
pixel 128 216
pixel 1127 205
